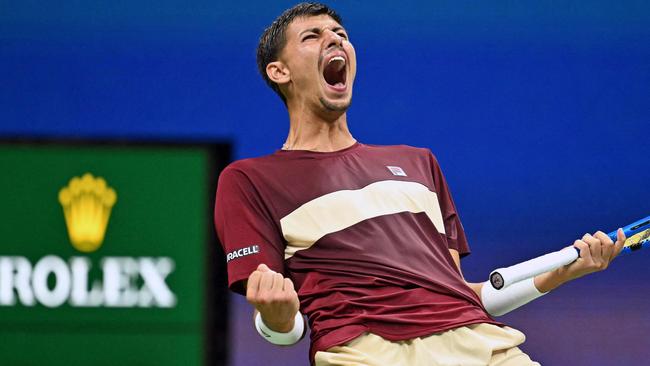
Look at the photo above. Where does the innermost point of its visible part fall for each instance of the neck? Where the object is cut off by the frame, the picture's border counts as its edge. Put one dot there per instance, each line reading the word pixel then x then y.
pixel 323 133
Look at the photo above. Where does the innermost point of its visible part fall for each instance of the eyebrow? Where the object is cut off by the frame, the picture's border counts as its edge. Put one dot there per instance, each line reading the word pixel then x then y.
pixel 318 30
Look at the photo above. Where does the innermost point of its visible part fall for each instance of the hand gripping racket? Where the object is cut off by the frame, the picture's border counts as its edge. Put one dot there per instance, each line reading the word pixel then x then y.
pixel 637 233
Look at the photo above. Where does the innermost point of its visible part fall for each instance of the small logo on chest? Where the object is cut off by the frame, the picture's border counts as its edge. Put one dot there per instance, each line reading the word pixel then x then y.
pixel 396 170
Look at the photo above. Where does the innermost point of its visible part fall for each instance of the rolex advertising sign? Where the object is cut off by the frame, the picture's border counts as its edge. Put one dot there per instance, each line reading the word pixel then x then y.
pixel 102 254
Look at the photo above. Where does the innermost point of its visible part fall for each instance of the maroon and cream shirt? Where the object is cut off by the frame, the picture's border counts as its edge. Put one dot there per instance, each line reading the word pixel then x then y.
pixel 364 233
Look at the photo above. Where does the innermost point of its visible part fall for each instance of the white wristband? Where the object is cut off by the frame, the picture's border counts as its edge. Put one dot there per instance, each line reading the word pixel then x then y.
pixel 282 339
pixel 499 302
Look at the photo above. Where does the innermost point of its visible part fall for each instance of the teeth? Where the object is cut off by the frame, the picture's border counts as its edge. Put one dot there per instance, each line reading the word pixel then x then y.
pixel 336 58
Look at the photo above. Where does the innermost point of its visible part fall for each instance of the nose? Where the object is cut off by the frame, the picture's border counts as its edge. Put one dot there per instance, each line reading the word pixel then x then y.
pixel 333 39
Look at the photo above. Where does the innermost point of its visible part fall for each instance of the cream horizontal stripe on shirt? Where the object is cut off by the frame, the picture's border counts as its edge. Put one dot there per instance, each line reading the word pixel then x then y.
pixel 341 209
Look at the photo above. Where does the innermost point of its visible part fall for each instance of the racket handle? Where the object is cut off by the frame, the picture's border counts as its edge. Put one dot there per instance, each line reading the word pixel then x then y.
pixel 504 277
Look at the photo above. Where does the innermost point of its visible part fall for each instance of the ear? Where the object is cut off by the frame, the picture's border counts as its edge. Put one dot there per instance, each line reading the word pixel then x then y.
pixel 278 72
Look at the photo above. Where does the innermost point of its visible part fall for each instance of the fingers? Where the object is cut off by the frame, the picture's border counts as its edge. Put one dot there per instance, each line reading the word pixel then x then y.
pixel 585 254
pixel 278 282
pixel 288 285
pixel 607 246
pixel 620 241
pixel 597 250
pixel 595 247
pixel 253 284
pixel 266 282
pixel 596 253
pixel 258 281
pixel 267 287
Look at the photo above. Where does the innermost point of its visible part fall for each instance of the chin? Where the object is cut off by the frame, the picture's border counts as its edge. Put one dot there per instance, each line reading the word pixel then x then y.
pixel 336 105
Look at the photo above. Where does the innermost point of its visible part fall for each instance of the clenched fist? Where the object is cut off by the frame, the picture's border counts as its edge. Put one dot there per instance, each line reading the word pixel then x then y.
pixel 274 297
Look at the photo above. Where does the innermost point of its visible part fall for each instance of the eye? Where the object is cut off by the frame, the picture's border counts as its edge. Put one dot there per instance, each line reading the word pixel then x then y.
pixel 309 36
pixel 343 35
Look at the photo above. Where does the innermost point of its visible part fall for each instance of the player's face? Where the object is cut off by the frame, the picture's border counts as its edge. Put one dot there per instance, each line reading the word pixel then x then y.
pixel 321 61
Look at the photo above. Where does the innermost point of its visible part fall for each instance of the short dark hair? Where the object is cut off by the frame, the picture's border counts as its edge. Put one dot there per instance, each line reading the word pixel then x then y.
pixel 274 39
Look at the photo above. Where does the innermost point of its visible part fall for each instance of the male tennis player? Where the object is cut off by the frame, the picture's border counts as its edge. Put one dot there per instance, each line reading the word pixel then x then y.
pixel 364 240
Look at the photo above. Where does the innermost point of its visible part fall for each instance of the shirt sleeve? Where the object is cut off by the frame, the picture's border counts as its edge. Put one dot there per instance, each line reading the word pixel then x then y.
pixel 245 228
pixel 453 227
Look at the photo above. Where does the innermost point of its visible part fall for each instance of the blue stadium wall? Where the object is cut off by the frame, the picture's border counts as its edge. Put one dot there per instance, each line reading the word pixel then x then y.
pixel 538 112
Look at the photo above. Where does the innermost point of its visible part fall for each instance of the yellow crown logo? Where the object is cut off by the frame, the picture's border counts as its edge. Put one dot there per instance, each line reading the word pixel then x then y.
pixel 87 204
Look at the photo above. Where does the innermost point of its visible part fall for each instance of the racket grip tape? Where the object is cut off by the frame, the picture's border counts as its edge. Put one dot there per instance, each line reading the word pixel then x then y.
pixel 504 277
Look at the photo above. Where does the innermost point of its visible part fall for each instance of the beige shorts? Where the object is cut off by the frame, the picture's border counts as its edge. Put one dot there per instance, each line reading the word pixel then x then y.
pixel 472 345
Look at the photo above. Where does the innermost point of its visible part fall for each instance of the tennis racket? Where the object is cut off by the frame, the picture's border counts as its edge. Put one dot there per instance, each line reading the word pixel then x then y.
pixel 637 234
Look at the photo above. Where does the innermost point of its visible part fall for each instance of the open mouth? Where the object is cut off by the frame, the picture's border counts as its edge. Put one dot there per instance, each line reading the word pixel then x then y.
pixel 334 72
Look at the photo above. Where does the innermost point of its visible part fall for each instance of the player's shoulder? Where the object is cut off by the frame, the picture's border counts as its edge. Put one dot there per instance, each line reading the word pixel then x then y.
pixel 401 149
pixel 249 166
